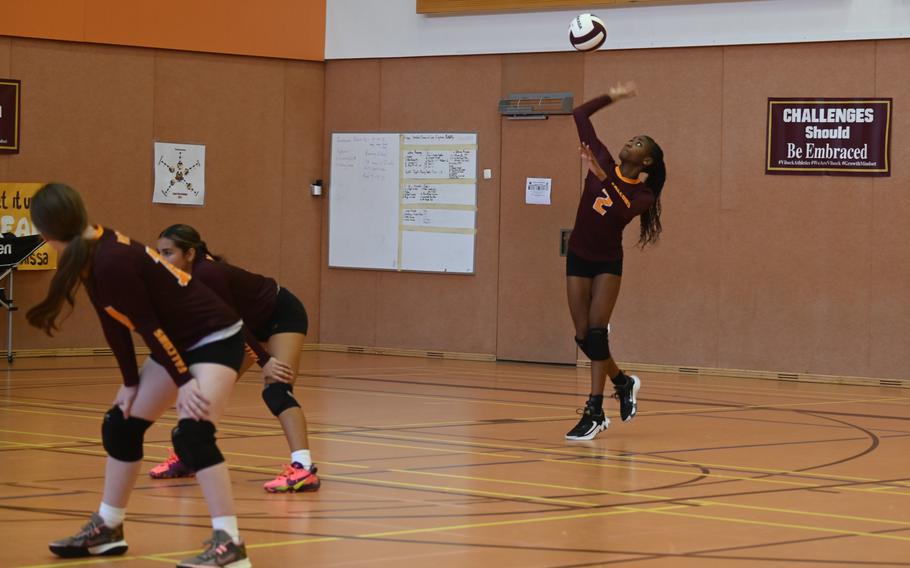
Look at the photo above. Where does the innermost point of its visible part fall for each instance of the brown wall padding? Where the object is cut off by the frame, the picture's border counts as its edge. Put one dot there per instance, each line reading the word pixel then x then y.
pixel 90 115
pixel 782 273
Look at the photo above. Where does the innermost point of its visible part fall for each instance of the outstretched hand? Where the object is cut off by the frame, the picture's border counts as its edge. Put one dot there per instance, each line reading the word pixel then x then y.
pixel 590 160
pixel 623 90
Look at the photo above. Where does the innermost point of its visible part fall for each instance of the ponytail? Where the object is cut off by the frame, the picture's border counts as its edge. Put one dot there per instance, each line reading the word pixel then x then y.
pixel 186 238
pixel 72 268
pixel 59 214
pixel 657 175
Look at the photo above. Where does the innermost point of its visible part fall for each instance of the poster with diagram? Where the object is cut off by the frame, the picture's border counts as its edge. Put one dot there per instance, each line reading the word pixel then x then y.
pixel 179 174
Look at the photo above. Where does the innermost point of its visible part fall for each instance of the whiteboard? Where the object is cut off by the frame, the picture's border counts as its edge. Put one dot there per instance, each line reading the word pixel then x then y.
pixel 403 201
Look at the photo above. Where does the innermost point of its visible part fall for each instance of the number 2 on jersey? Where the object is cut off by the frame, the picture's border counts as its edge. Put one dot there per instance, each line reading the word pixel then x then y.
pixel 601 203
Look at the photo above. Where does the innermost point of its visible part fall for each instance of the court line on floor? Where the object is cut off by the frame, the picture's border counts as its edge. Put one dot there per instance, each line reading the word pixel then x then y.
pixel 601 454
pixel 500 447
pixel 164 556
pixel 686 500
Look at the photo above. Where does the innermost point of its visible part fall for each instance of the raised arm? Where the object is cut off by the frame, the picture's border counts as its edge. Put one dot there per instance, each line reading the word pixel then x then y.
pixel 582 114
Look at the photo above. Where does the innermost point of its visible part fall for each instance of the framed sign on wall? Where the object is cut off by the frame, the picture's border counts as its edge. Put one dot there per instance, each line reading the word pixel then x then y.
pixel 10 96
pixel 843 136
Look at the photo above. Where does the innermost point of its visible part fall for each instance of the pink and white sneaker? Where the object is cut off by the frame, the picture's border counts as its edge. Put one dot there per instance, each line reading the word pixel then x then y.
pixel 171 468
pixel 294 478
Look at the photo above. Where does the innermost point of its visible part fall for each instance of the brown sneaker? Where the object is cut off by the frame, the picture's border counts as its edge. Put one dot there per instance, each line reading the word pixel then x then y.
pixel 221 551
pixel 95 539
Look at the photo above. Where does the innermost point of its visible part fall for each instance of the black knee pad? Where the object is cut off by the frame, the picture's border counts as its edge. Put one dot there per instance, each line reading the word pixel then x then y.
pixel 597 340
pixel 583 346
pixel 279 397
pixel 123 437
pixel 194 444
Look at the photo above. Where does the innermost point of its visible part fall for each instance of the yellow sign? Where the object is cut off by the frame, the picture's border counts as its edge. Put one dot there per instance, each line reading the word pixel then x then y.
pixel 15 199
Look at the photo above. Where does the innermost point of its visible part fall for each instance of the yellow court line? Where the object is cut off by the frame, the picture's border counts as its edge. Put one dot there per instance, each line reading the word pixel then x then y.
pixel 693 501
pixel 689 473
pixel 630 462
pixel 161 421
pixel 27 446
pixel 480 378
pixel 167 418
pixel 630 459
pixel 89 562
pixel 69 437
pixel 667 510
pixel 480 422
pixel 465 491
pixel 372 393
pixel 284 458
pixel 57 406
pixel 621 511
pixel 163 447
pixel 445 528
pixel 410 447
pixel 888 491
pixel 780 525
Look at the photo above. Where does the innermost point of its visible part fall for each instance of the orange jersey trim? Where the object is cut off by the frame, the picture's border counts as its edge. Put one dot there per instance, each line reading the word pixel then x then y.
pixel 120 317
pixel 625 179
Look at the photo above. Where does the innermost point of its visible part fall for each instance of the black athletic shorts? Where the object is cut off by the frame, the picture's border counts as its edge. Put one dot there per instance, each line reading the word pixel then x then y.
pixel 228 352
pixel 577 266
pixel 289 316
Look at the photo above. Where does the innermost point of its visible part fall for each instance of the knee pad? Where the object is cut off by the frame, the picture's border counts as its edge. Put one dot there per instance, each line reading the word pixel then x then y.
pixel 583 346
pixel 597 341
pixel 279 397
pixel 194 443
pixel 123 437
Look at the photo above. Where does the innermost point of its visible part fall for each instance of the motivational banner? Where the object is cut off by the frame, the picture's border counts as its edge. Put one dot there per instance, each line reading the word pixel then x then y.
pixel 9 115
pixel 829 136
pixel 15 199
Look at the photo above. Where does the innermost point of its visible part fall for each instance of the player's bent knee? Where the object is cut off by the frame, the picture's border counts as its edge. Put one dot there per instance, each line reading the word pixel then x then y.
pixel 194 443
pixel 597 341
pixel 123 437
pixel 279 397
pixel 583 346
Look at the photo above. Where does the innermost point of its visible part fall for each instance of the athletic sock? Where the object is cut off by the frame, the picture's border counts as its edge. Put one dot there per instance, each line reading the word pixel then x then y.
pixel 596 403
pixel 113 516
pixel 302 457
pixel 620 380
pixel 227 524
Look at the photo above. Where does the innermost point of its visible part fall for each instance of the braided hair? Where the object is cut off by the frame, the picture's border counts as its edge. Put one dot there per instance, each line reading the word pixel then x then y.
pixel 657 175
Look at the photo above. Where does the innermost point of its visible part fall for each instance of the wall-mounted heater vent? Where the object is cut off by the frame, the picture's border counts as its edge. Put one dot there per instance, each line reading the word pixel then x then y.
pixel 535 105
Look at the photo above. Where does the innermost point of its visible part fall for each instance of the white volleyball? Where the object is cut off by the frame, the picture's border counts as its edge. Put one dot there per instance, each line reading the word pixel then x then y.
pixel 587 32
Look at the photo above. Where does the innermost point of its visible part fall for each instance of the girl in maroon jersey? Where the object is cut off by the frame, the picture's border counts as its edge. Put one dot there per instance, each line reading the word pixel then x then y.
pixel 196 350
pixel 272 315
pixel 614 194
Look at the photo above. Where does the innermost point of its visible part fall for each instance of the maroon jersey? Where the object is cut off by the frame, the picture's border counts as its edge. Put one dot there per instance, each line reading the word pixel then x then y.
pixel 606 207
pixel 251 295
pixel 134 289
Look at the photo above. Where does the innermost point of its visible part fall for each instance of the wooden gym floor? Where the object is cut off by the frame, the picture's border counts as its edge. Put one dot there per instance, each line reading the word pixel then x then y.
pixel 452 463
